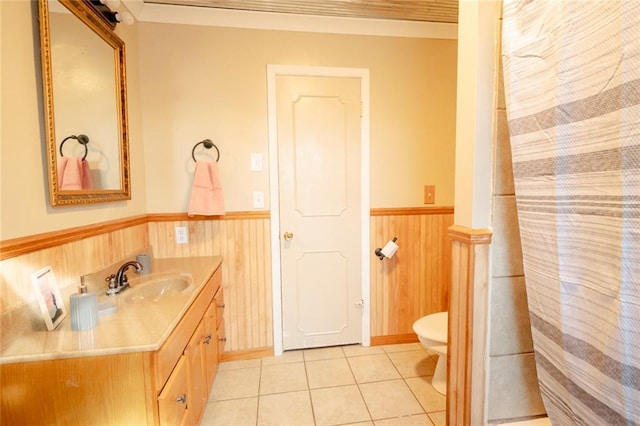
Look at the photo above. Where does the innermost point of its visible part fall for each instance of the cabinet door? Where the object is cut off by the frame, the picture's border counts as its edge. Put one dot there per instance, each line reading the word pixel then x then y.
pixel 219 301
pixel 196 377
pixel 210 344
pixel 172 402
pixel 222 338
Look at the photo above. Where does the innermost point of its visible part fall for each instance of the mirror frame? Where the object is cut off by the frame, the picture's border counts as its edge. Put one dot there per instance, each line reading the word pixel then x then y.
pixel 92 19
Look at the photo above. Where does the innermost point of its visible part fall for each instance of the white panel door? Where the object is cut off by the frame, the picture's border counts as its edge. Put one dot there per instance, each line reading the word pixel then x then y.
pixel 318 122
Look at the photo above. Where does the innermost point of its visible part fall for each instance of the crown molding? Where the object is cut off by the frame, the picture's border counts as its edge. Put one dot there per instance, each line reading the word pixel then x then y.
pixel 204 16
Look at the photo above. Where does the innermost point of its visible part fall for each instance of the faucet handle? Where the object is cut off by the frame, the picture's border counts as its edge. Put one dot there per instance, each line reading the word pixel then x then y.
pixel 113 287
pixel 111 279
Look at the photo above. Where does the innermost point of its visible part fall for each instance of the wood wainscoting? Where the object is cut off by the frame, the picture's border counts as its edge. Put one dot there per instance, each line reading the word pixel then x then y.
pixel 466 369
pixel 71 253
pixel 414 282
pixel 243 241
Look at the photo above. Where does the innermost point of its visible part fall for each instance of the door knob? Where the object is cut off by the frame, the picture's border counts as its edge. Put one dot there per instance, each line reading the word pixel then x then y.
pixel 288 236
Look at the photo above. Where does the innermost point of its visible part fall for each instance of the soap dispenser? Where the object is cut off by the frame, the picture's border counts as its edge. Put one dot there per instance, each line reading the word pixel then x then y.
pixel 84 308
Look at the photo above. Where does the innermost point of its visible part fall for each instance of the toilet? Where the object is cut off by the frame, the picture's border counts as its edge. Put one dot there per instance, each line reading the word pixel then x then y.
pixel 432 331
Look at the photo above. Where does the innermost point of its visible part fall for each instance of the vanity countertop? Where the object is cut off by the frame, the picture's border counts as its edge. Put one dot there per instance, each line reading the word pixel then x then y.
pixel 135 327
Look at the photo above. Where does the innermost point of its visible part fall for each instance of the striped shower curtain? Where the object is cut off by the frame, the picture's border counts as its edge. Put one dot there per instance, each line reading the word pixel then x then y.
pixel 572 87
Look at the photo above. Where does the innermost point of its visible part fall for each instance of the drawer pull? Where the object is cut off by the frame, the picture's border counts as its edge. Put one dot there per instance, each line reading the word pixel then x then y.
pixel 182 398
pixel 222 339
pixel 221 306
pixel 207 339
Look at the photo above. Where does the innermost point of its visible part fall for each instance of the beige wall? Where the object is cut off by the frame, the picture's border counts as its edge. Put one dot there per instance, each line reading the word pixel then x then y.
pixel 210 82
pixel 23 168
pixel 188 83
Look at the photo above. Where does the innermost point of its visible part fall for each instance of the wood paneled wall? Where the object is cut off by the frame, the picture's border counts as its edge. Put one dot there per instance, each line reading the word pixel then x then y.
pixel 415 281
pixel 411 284
pixel 71 253
pixel 468 326
pixel 244 243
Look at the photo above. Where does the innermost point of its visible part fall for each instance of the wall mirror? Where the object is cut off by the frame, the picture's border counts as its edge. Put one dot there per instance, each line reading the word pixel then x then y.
pixel 85 97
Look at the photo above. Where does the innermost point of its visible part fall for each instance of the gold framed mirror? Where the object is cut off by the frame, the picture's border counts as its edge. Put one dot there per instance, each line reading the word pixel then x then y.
pixel 85 104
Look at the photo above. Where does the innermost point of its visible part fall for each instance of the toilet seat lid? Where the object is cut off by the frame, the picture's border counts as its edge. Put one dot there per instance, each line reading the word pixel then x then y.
pixel 433 327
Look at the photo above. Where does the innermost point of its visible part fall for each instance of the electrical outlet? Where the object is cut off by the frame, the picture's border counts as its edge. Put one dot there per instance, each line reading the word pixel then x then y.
pixel 182 237
pixel 258 200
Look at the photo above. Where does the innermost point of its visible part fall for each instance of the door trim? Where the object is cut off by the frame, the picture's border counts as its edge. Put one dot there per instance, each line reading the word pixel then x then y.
pixel 274 71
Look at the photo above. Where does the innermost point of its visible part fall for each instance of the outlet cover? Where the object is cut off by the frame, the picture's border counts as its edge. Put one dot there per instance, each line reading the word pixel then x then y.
pixel 182 237
pixel 429 194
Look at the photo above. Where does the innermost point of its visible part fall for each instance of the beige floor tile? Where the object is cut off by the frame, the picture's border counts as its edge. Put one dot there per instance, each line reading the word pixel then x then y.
pixel 413 363
pixel 417 420
pixel 329 372
pixel 390 398
pixel 438 418
pixel 233 384
pixel 429 398
pixel 286 358
pixel 283 378
pixel 372 368
pixel 323 353
pixel 402 347
pixel 359 350
pixel 292 408
pixel 235 365
pixel 338 405
pixel 234 412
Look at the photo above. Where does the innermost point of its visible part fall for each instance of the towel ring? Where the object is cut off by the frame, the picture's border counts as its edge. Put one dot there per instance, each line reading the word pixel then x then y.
pixel 82 139
pixel 207 144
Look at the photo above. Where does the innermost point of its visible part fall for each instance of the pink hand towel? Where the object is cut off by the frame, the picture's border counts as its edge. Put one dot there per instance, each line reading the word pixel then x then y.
pixel 207 197
pixel 74 174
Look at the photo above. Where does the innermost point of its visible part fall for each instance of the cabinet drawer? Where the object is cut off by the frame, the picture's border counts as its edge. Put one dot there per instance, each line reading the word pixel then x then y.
pixel 172 401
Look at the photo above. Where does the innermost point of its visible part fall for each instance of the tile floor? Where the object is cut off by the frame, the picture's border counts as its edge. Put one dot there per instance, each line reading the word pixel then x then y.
pixel 347 385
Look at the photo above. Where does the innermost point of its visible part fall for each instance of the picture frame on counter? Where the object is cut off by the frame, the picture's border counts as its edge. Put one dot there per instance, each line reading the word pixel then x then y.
pixel 48 296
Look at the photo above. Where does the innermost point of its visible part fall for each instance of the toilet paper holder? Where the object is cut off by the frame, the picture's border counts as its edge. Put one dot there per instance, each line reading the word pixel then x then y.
pixel 388 250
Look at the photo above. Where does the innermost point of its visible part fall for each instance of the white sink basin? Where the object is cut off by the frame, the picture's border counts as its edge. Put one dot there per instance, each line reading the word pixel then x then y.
pixel 155 289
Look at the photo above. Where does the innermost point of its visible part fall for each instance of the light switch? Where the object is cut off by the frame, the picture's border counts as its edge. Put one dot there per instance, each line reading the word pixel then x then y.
pixel 256 162
pixel 258 200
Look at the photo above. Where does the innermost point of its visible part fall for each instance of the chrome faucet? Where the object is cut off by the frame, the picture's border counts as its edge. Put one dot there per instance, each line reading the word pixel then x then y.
pixel 119 282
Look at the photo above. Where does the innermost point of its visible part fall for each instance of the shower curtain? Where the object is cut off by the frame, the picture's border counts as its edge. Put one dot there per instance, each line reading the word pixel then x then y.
pixel 572 88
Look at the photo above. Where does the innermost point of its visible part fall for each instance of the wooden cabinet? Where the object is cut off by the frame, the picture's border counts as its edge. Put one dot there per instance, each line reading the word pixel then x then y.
pixel 201 352
pixel 219 302
pixel 173 400
pixel 214 332
pixel 169 386
pixel 196 374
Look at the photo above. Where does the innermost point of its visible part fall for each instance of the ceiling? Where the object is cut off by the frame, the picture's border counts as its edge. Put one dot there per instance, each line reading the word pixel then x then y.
pixel 444 11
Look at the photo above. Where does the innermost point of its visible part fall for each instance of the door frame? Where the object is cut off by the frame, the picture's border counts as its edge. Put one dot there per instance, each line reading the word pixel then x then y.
pixel 274 71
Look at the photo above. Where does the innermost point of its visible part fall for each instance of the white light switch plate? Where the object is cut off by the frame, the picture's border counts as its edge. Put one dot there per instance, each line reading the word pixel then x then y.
pixel 258 200
pixel 256 162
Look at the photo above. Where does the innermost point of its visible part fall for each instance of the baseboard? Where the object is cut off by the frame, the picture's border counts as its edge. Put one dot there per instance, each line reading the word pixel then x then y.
pixel 246 354
pixel 394 339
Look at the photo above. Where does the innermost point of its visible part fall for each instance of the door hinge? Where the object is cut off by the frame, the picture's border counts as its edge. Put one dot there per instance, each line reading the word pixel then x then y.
pixel 360 302
pixel 361 109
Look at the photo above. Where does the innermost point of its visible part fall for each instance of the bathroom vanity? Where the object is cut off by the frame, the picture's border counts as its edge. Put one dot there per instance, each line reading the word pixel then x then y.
pixel 150 363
